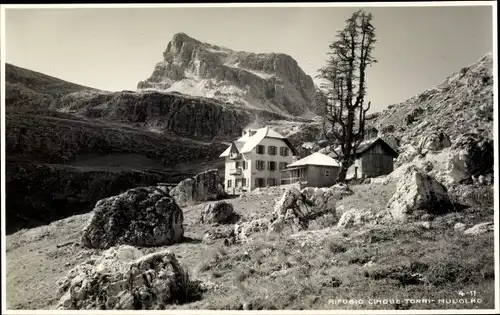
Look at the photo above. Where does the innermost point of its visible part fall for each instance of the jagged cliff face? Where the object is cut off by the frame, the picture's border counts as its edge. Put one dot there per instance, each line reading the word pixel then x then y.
pixel 170 113
pixel 272 82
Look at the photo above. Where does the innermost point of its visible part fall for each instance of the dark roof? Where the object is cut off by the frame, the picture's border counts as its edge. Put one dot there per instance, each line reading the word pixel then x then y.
pixel 239 145
pixel 367 144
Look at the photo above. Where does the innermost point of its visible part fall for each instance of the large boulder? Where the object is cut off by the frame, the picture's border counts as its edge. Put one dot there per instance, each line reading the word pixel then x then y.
pixel 469 156
pixel 324 199
pixel 476 153
pixel 433 142
pixel 144 216
pixel 124 279
pixel 218 212
pixel 417 190
pixel 296 208
pixel 202 187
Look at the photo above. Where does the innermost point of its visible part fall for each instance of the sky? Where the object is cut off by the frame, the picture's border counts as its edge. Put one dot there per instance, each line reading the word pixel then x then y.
pixel 115 48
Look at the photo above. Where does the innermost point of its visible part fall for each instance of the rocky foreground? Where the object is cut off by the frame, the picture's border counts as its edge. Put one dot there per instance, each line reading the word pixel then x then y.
pixel 141 250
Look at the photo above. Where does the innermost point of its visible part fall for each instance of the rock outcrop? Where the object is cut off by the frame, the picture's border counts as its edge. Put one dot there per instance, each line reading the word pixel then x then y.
pixel 202 187
pixel 356 217
pixel 242 231
pixel 461 104
pixel 480 228
pixel 144 216
pixel 469 157
pixel 296 208
pixel 58 139
pixel 272 82
pixel 218 212
pixel 125 279
pixel 417 190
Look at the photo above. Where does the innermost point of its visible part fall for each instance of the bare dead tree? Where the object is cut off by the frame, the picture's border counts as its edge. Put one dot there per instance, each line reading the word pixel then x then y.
pixel 344 100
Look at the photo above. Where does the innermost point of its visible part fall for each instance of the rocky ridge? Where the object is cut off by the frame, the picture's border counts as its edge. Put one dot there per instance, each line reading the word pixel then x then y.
pixel 271 82
pixel 462 103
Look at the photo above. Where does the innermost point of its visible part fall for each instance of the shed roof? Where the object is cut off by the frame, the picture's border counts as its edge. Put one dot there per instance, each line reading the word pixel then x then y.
pixel 367 144
pixel 315 159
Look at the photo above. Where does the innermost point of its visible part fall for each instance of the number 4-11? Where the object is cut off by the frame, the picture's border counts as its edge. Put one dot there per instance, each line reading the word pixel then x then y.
pixel 470 293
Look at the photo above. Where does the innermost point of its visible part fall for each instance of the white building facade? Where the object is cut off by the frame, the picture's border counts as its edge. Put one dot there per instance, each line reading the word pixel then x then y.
pixel 256 160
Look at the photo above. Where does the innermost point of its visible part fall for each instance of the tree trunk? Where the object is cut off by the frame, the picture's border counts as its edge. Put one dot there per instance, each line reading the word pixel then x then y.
pixel 344 167
pixel 342 174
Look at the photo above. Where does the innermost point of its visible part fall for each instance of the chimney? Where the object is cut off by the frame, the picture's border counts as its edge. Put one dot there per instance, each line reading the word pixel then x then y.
pixel 249 131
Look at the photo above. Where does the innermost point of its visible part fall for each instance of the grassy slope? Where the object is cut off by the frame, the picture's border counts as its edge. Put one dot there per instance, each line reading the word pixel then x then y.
pixel 40 82
pixel 303 271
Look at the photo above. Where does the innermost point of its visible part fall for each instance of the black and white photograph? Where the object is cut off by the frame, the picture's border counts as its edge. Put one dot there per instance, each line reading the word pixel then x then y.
pixel 238 157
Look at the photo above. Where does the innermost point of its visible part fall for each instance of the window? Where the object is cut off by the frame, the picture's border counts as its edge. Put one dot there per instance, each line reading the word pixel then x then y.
pixel 259 182
pixel 260 149
pixel 327 173
pixel 243 182
pixel 271 150
pixel 272 182
pixel 272 166
pixel 260 165
pixel 282 165
pixel 241 164
pixel 228 183
pixel 284 151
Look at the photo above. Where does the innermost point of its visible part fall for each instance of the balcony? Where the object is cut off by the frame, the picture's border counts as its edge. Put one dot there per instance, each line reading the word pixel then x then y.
pixel 234 156
pixel 235 171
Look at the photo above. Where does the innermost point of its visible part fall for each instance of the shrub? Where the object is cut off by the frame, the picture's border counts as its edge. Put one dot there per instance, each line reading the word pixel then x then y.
pixel 187 290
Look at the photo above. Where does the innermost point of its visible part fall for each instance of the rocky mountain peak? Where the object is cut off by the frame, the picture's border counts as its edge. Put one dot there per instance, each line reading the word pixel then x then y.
pixel 268 81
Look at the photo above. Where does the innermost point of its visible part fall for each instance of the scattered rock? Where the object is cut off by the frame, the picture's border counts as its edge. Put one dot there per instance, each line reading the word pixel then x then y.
pixel 435 141
pixel 341 190
pixel 480 228
pixel 218 212
pixel 418 191
pixel 216 234
pixel 202 187
pixel 459 227
pixel 247 306
pixel 355 217
pixel 122 278
pixel 143 216
pixel 413 115
pixel 243 230
pixel 423 224
pixel 369 264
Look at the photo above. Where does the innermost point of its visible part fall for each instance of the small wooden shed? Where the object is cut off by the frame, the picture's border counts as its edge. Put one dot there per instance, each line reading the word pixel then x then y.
pixel 315 170
pixel 373 157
